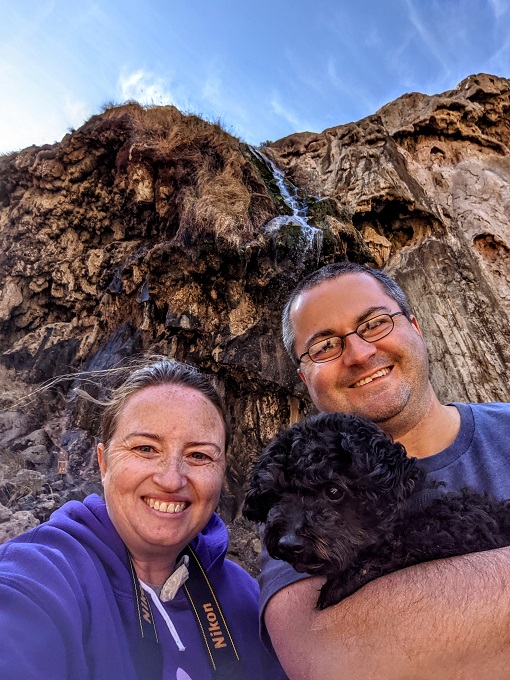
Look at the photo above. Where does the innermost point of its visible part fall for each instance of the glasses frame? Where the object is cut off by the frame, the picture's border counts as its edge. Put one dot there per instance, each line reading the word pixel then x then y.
pixel 355 332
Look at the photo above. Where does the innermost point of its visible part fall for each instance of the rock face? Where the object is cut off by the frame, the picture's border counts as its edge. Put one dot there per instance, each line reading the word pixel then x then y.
pixel 148 230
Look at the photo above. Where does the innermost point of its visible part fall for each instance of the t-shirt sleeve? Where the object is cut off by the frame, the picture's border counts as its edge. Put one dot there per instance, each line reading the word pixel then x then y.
pixel 274 575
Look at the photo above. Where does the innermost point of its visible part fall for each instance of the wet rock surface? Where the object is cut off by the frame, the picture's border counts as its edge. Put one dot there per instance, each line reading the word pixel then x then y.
pixel 144 230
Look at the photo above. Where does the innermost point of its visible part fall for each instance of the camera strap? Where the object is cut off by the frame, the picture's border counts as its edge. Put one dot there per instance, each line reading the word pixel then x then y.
pixel 215 633
pixel 145 650
pixel 211 621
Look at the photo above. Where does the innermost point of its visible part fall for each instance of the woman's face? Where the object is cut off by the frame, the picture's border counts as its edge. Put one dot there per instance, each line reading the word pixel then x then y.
pixel 164 468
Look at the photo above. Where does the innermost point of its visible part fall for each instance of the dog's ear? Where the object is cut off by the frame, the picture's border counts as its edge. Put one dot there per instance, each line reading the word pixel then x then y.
pixel 267 479
pixel 394 474
pixel 258 501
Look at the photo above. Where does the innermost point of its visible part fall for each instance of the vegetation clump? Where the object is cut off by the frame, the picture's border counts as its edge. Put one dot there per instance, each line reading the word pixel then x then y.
pixel 196 169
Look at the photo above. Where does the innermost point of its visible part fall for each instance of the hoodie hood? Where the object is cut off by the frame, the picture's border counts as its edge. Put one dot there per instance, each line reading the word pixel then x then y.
pixel 211 544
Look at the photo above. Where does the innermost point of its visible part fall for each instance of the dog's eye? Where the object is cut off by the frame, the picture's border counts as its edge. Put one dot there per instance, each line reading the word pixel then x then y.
pixel 334 493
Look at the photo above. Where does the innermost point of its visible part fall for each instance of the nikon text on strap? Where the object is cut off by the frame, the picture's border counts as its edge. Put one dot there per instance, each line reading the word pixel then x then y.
pixel 211 621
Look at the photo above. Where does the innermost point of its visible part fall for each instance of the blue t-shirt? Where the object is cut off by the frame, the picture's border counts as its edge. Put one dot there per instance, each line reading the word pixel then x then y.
pixel 479 457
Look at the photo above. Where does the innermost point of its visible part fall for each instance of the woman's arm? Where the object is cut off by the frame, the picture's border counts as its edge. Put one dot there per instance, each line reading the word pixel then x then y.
pixel 448 619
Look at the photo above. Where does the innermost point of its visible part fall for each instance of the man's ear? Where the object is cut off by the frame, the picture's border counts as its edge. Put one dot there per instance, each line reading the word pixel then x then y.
pixel 416 325
pixel 101 459
pixel 301 375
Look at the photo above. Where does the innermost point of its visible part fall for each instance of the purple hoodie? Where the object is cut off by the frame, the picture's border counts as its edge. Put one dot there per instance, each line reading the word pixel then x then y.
pixel 68 609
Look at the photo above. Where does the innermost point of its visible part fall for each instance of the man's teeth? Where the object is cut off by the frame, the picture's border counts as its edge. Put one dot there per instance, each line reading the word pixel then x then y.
pixel 379 374
pixel 165 507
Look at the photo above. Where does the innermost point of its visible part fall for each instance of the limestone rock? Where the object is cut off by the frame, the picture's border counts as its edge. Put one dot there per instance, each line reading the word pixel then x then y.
pixel 17 523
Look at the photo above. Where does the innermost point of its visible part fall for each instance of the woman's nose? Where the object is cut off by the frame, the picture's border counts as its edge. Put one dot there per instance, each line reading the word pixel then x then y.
pixel 170 473
pixel 357 350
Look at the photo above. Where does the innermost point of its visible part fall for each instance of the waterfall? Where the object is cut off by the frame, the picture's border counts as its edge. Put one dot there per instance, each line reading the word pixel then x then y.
pixel 312 236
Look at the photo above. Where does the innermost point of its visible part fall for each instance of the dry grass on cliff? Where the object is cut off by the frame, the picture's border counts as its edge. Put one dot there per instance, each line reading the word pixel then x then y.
pixel 220 203
pixel 219 192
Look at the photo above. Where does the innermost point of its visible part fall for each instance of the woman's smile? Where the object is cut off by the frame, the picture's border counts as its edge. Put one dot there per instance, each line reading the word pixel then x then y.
pixel 167 507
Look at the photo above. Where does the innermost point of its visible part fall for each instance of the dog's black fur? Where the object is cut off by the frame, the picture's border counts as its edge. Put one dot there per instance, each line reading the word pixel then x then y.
pixel 339 499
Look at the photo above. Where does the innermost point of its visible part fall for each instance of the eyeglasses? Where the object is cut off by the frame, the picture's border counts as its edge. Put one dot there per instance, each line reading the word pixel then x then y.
pixel 373 329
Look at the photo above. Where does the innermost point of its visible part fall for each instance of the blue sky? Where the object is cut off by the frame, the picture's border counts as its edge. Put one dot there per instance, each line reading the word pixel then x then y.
pixel 265 68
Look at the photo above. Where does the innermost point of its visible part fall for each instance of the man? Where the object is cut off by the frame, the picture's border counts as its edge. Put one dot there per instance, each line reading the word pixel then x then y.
pixel 359 349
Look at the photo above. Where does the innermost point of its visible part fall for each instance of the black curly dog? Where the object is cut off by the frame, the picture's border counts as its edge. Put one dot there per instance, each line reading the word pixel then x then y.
pixel 339 499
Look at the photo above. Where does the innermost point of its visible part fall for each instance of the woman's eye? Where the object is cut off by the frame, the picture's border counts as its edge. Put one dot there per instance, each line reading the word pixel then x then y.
pixel 334 493
pixel 199 455
pixel 144 448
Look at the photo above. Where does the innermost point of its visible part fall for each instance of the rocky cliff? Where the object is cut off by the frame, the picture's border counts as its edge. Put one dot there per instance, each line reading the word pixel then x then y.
pixel 149 230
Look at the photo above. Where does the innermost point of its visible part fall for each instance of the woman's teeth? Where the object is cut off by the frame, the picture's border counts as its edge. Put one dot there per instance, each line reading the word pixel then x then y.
pixel 165 507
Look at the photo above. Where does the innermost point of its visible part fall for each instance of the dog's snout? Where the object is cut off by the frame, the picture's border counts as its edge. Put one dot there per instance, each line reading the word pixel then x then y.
pixel 290 544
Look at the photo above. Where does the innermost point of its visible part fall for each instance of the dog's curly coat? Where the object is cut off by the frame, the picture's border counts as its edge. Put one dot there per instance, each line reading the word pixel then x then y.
pixel 340 499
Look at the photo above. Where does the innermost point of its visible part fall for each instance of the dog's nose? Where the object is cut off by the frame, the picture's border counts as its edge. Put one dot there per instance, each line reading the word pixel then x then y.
pixel 290 544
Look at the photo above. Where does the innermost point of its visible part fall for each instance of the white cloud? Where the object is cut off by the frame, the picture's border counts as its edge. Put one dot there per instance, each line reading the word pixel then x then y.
pixel 372 37
pixel 334 77
pixel 76 111
pixel 499 7
pixel 144 87
pixel 359 94
pixel 427 36
pixel 301 71
pixel 211 90
pixel 499 61
pixel 287 114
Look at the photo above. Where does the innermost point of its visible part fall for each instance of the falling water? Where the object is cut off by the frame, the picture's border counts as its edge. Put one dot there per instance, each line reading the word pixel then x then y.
pixel 311 235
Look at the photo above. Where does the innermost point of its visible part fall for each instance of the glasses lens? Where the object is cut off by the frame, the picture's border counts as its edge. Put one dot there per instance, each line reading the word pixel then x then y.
pixel 324 350
pixel 376 328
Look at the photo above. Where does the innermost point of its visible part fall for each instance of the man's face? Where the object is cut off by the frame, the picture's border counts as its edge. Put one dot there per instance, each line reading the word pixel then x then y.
pixel 385 381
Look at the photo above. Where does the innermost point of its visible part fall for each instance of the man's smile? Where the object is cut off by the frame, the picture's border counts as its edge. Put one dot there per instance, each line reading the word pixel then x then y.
pixel 369 378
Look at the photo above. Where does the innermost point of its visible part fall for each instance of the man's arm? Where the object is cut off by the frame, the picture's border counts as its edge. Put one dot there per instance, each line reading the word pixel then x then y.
pixel 443 620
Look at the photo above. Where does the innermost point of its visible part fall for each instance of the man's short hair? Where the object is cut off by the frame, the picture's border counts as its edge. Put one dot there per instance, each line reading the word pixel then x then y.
pixel 333 271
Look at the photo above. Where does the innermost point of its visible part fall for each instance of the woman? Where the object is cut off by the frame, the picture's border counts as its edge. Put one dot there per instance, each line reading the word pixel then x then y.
pixel 137 586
